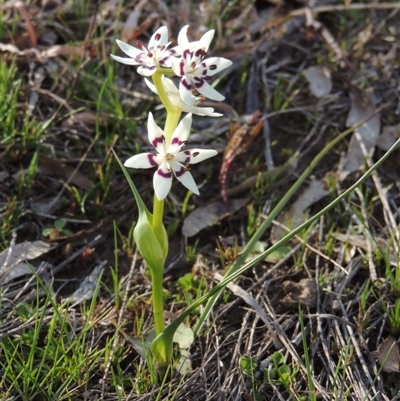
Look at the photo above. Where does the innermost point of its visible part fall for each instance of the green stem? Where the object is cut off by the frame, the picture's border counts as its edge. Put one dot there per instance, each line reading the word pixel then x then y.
pixel 171 122
pixel 158 213
pixel 157 81
pixel 158 300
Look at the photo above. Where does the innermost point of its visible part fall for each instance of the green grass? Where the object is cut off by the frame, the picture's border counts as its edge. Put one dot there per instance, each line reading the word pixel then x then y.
pixel 53 357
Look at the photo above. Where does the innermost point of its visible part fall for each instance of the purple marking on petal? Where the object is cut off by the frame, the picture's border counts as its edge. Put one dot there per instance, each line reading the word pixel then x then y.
pixel 199 84
pixel 149 67
pixel 212 67
pixel 176 141
pixel 150 156
pixel 200 53
pixel 168 174
pixel 188 153
pixel 181 68
pixel 203 64
pixel 164 60
pixel 186 84
pixel 186 54
pixel 157 140
pixel 194 154
pixel 180 172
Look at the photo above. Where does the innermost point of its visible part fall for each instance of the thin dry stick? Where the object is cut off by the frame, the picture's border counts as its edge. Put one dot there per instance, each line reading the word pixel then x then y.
pixel 390 220
pixel 287 344
pixel 367 233
pixel 329 39
pixel 349 332
pixel 227 384
pixel 19 5
pixel 310 247
pixel 349 7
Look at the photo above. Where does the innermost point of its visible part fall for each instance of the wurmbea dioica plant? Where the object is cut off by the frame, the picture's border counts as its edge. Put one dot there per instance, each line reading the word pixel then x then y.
pixel 188 62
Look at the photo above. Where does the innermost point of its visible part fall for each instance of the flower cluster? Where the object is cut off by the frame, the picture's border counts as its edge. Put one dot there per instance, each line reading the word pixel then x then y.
pixel 187 61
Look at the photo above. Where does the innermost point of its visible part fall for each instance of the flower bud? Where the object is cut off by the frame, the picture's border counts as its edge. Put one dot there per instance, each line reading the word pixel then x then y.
pixel 152 251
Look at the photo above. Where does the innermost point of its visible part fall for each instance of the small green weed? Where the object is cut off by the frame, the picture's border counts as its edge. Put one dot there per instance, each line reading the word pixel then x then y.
pixel 394 318
pixel 58 230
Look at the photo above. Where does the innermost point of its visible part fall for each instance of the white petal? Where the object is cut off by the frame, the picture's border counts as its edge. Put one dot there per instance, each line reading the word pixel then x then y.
pixel 169 86
pixel 186 179
pixel 208 91
pixel 176 66
pixel 206 39
pixel 182 38
pixel 194 156
pixel 147 70
pixel 217 63
pixel 186 94
pixel 201 111
pixel 181 134
pixel 125 60
pixel 128 49
pixel 143 160
pixel 151 86
pixel 162 182
pixel 156 135
pixel 173 93
pixel 163 32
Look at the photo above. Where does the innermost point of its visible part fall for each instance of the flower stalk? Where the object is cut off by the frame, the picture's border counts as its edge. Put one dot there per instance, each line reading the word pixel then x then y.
pixel 186 61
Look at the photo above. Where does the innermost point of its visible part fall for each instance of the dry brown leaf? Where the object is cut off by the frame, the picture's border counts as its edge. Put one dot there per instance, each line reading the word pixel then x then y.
pixel 364 139
pixel 132 29
pixel 319 78
pixel 11 259
pixel 53 167
pixel 21 252
pixel 390 134
pixel 87 287
pixel 361 242
pixel 296 214
pixel 387 355
pixel 47 205
pixel 208 215
pixel 19 270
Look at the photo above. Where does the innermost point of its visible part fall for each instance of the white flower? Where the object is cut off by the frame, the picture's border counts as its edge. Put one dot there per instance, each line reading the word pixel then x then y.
pixel 175 98
pixel 194 70
pixel 157 54
pixel 169 159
